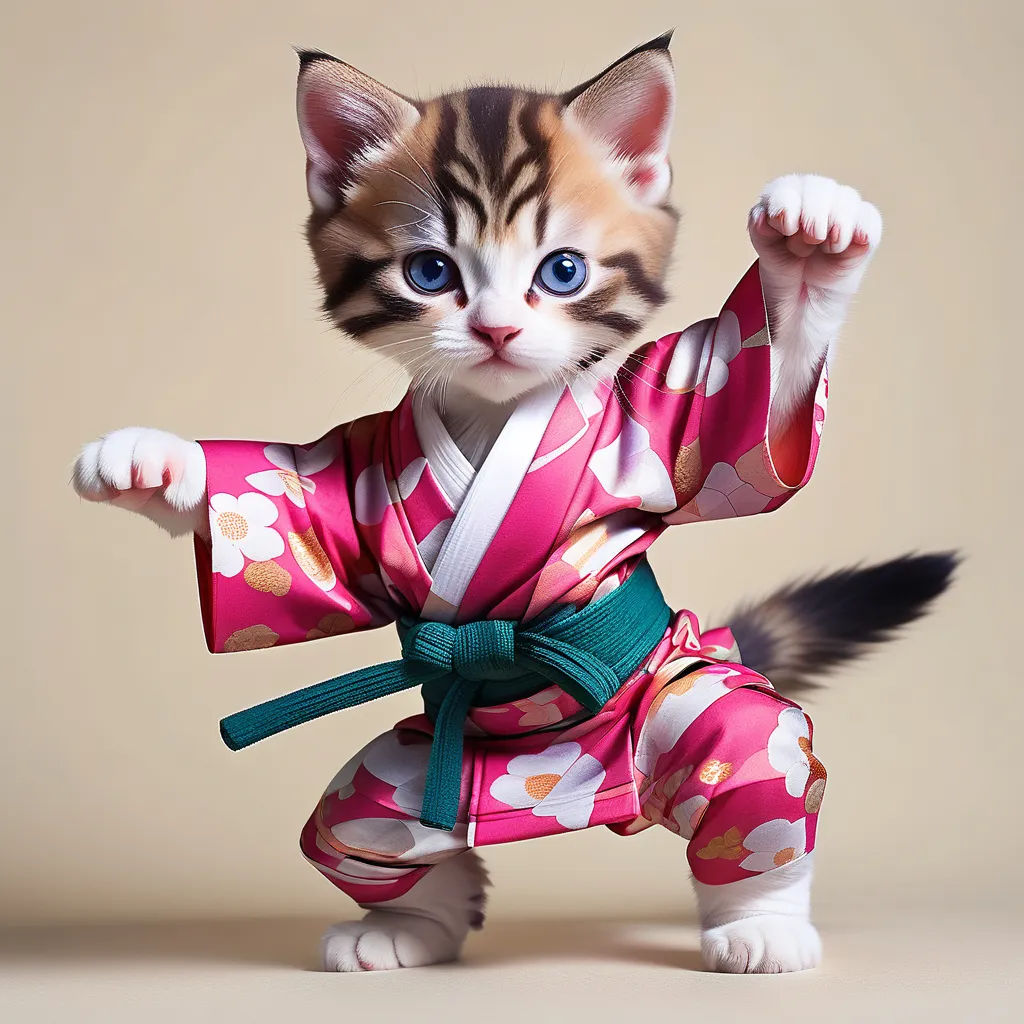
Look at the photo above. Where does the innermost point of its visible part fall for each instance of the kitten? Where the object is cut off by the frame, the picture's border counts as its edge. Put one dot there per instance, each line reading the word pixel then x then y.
pixel 494 240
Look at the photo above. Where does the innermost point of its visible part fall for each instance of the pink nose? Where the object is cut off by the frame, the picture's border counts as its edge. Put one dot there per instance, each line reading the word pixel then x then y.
pixel 496 337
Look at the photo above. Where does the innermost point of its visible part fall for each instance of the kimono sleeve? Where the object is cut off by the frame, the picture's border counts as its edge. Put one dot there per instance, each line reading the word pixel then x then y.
pixel 719 455
pixel 285 561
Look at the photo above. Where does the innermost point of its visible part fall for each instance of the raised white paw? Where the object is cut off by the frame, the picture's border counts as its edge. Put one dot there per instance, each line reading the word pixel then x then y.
pixel 161 475
pixel 766 944
pixel 386 940
pixel 814 231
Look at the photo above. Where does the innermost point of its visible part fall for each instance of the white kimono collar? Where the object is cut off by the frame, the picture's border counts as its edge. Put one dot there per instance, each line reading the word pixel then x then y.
pixel 480 498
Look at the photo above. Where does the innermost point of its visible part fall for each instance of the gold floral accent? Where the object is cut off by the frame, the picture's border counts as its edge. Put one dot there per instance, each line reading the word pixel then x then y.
pixel 818 772
pixel 784 856
pixel 312 558
pixel 683 683
pixel 714 771
pixel 252 638
pixel 291 482
pixel 538 786
pixel 815 793
pixel 687 472
pixel 268 578
pixel 332 625
pixel 587 541
pixel 232 525
pixel 727 847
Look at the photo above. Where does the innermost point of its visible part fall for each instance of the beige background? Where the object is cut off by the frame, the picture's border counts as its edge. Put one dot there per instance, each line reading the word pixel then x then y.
pixel 154 272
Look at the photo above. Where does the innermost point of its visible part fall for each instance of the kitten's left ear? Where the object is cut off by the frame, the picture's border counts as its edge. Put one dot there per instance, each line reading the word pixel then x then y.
pixel 344 116
pixel 629 107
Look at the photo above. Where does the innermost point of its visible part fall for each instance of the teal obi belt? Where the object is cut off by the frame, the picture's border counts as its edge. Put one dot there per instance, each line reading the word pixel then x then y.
pixel 587 653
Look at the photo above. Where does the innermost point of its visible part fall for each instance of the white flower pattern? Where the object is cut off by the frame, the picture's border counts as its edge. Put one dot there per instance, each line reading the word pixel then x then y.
pixel 775 843
pixel 686 700
pixel 559 782
pixel 240 528
pixel 687 814
pixel 294 467
pixel 629 467
pixel 788 747
pixel 702 354
pixel 402 765
pixel 372 497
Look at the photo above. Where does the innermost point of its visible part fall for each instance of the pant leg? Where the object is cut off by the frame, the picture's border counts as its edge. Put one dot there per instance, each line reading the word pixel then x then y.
pixel 731 769
pixel 364 835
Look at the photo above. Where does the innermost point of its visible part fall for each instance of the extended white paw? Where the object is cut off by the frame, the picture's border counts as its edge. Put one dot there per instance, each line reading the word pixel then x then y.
pixel 814 225
pixel 767 944
pixel 385 941
pixel 161 475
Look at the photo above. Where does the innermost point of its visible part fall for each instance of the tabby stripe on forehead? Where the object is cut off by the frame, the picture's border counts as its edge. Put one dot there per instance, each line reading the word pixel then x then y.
pixel 489 112
pixel 355 275
pixel 629 264
pixel 535 189
pixel 593 309
pixel 459 159
pixel 394 309
pixel 521 162
pixel 447 148
pixel 448 153
pixel 537 153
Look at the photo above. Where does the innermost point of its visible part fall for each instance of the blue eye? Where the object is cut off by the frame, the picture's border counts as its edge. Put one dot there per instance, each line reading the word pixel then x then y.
pixel 431 271
pixel 562 273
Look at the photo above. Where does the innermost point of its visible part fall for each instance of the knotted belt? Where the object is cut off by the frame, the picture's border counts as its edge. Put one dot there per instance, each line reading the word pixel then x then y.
pixel 587 653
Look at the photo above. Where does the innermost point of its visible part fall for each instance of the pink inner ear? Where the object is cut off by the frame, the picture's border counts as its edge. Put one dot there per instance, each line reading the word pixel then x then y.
pixel 644 132
pixel 642 176
pixel 337 136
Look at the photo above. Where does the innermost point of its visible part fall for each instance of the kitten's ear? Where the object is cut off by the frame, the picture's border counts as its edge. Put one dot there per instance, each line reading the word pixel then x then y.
pixel 629 107
pixel 343 116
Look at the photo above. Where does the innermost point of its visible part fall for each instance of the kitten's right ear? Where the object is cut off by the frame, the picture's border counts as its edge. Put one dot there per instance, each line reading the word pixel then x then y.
pixel 628 107
pixel 344 116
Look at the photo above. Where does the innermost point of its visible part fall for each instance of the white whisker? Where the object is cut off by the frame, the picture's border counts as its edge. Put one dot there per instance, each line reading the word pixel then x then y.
pixel 418 188
pixel 401 202
pixel 626 371
pixel 430 181
pixel 409 224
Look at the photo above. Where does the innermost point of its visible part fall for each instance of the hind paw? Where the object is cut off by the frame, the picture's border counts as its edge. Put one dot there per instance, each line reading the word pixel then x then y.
pixel 386 941
pixel 767 944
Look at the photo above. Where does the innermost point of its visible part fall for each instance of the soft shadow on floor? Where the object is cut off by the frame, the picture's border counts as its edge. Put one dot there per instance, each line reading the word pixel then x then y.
pixel 293 943
pixel 656 944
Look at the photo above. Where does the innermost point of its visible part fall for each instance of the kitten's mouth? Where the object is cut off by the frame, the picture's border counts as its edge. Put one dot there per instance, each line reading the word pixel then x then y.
pixel 498 379
pixel 499 362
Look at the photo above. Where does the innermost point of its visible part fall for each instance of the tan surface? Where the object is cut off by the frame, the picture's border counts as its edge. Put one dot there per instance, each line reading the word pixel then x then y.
pixel 931 969
pixel 153 271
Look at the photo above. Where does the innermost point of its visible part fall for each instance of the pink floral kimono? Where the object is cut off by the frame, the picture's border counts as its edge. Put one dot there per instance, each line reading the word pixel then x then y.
pixel 384 517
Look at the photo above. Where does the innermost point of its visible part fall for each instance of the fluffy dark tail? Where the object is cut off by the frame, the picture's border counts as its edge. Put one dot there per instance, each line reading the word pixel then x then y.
pixel 809 627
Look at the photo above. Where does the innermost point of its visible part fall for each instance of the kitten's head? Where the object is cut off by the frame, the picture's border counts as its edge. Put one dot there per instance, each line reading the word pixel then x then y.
pixel 494 238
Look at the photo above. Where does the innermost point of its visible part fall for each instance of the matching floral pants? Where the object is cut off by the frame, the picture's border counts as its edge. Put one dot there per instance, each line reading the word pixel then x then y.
pixel 713 754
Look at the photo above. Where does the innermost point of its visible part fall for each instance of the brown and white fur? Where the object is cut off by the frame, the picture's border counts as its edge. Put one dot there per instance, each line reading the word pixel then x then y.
pixel 495 179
